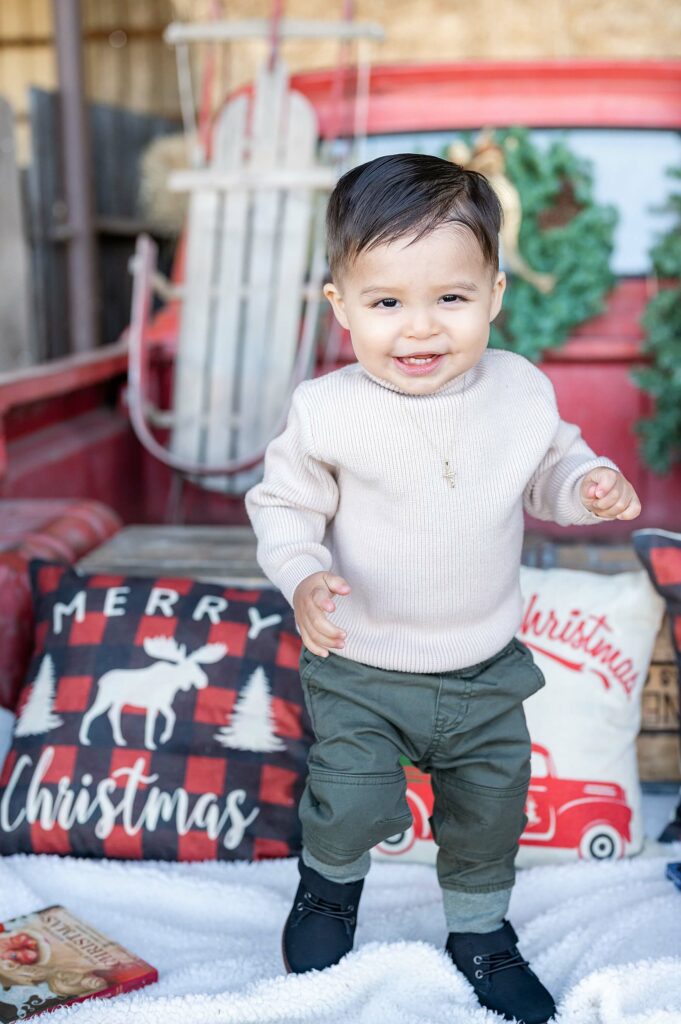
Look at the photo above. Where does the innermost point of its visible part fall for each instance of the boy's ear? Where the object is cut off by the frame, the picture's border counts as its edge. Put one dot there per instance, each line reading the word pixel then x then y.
pixel 337 304
pixel 498 289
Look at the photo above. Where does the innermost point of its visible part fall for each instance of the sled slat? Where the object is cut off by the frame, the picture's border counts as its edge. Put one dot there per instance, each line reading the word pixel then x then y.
pixel 222 356
pixel 247 280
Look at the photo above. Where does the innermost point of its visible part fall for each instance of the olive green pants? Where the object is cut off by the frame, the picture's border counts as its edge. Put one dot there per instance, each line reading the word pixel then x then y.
pixel 465 727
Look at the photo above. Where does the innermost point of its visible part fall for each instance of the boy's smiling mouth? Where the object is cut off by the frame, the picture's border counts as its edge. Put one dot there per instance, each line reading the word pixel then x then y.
pixel 416 365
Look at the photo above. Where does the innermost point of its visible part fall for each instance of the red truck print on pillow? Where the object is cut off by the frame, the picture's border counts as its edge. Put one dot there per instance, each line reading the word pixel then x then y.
pixel 576 814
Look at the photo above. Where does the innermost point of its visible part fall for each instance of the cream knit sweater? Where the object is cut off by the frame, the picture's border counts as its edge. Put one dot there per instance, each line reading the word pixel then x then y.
pixel 355 485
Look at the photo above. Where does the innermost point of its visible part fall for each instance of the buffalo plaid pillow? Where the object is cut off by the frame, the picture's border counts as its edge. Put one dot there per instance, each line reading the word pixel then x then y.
pixel 161 718
pixel 660 552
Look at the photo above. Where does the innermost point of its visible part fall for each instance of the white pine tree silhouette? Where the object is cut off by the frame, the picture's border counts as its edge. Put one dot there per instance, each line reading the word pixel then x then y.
pixel 37 715
pixel 251 726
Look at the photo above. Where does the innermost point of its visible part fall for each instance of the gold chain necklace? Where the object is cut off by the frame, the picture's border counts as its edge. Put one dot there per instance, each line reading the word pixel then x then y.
pixel 449 474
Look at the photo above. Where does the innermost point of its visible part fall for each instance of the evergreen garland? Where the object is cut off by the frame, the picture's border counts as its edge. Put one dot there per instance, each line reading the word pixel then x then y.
pixel 661 433
pixel 563 232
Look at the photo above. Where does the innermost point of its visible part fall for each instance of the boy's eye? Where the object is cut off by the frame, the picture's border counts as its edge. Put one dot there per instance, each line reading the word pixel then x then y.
pixel 452 298
pixel 386 303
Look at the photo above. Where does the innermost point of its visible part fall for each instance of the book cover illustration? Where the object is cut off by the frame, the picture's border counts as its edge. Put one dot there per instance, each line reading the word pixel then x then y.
pixel 51 958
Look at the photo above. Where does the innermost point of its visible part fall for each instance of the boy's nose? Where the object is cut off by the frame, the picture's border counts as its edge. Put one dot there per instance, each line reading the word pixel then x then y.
pixel 421 326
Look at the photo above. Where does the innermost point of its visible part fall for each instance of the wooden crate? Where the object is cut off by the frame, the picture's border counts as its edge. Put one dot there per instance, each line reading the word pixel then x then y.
pixel 228 554
pixel 658 742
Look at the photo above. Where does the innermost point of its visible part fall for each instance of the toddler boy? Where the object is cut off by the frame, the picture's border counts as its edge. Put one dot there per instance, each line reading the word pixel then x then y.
pixel 391 517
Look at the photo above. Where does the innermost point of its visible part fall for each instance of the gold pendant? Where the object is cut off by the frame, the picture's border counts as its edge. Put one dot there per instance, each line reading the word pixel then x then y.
pixel 449 474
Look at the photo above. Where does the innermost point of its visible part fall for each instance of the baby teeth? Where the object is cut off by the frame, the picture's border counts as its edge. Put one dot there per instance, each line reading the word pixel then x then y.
pixel 418 359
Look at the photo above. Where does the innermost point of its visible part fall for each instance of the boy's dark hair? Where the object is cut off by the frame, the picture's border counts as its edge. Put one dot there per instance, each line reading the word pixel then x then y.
pixel 409 193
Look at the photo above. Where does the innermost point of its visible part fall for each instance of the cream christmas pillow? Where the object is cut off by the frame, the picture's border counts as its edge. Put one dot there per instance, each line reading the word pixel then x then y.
pixel 592 636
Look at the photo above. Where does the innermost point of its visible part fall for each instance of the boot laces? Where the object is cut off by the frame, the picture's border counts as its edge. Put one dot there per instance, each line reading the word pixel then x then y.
pixel 490 963
pixel 312 904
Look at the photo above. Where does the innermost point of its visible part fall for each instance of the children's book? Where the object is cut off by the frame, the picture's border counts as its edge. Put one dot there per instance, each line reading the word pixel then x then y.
pixel 50 958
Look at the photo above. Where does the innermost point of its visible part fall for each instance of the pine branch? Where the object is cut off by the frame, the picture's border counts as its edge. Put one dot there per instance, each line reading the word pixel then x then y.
pixel 661 433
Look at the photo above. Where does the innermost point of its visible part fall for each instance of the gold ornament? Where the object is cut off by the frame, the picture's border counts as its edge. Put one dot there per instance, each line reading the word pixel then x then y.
pixel 487 157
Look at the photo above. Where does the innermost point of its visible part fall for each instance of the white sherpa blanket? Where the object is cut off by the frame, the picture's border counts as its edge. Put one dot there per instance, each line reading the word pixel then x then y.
pixel 605 939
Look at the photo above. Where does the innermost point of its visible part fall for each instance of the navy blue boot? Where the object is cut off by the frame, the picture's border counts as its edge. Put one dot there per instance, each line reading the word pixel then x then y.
pixel 501 978
pixel 320 929
pixel 672 832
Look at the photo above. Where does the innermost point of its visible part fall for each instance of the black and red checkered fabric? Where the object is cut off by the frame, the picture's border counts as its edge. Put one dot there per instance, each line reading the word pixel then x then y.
pixel 218 776
pixel 660 552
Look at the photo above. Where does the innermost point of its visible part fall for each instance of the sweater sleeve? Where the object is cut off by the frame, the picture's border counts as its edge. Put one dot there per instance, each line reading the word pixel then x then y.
pixel 553 490
pixel 293 504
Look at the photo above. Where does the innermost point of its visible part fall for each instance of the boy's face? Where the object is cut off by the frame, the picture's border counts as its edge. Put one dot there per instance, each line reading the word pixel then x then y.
pixel 432 298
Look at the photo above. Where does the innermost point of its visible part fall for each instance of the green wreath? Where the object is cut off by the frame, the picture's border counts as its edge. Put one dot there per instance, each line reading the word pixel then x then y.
pixel 661 432
pixel 565 233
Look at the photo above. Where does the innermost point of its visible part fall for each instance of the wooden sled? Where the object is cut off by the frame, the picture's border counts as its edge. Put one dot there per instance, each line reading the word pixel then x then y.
pixel 252 287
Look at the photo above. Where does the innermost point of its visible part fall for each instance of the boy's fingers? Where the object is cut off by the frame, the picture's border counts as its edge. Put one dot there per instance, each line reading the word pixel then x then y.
pixel 325 629
pixel 609 501
pixel 604 494
pixel 336 584
pixel 318 633
pixel 313 641
pixel 315 620
pixel 626 507
pixel 600 481
pixel 589 491
pixel 318 643
pixel 331 645
pixel 313 647
pixel 632 511
pixel 320 599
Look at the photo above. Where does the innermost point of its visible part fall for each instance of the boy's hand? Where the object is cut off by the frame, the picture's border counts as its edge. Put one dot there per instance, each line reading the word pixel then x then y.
pixel 311 599
pixel 609 495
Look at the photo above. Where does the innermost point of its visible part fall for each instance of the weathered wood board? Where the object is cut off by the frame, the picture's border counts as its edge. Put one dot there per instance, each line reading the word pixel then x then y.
pixel 16 333
pixel 118 138
pixel 205 552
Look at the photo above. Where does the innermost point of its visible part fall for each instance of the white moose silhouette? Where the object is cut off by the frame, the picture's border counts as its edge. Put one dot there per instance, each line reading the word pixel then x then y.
pixel 153 688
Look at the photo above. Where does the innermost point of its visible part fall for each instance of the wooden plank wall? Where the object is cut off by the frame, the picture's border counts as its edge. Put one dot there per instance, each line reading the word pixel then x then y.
pixel 118 139
pixel 127 65
pixel 126 61
pixel 457 30
pixel 16 332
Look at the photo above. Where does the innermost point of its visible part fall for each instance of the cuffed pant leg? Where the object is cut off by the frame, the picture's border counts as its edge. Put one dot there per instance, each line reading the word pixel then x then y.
pixel 351 872
pixel 478 912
